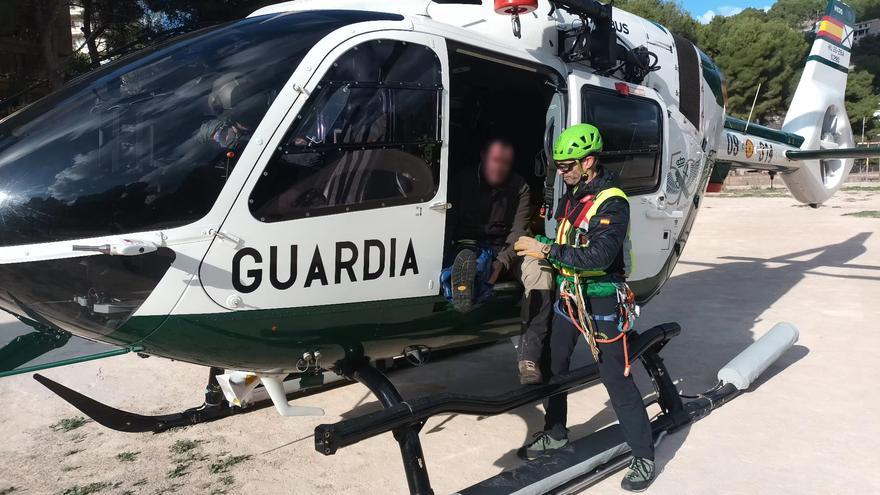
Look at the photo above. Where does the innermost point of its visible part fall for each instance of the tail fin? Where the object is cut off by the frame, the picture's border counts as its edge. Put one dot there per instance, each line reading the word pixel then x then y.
pixel 817 112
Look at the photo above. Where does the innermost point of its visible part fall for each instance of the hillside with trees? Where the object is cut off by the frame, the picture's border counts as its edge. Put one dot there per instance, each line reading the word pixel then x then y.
pixel 769 49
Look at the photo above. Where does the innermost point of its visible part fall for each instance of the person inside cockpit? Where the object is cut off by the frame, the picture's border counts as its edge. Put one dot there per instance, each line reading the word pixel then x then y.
pixel 237 109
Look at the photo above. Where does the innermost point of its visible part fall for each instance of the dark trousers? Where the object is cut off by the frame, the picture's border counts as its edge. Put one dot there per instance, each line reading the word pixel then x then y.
pixel 625 396
pixel 537 314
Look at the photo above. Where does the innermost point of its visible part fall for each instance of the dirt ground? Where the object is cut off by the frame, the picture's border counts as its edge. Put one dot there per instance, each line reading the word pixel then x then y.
pixel 809 426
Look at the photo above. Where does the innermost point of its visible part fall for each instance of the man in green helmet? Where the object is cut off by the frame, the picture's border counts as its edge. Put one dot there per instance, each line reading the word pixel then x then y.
pixel 591 255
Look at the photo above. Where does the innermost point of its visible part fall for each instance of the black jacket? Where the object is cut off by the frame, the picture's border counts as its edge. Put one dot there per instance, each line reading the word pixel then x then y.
pixel 606 233
pixel 496 216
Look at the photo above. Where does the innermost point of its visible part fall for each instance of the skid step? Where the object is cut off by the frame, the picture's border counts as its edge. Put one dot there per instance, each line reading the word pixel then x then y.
pixel 580 464
pixel 329 438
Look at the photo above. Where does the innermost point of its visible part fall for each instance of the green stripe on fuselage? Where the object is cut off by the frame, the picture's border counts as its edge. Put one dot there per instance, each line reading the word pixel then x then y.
pixel 276 339
pixel 753 129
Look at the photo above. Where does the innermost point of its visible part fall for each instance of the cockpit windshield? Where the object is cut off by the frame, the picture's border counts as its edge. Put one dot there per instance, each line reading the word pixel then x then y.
pixel 148 142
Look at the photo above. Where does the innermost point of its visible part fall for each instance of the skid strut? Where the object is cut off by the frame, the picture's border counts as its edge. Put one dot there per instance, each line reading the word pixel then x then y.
pixel 405 419
pixel 407 435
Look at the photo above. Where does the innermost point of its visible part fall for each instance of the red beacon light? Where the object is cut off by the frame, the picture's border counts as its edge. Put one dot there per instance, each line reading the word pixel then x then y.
pixel 514 8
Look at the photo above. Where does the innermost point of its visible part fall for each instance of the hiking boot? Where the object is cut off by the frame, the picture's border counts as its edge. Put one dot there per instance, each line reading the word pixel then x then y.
pixel 639 476
pixel 529 373
pixel 544 443
pixel 464 276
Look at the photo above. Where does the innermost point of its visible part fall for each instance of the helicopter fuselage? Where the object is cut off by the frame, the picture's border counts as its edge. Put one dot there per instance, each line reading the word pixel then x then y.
pixel 278 186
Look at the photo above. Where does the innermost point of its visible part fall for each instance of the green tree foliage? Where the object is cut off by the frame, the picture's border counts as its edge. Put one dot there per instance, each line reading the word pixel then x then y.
pixel 112 27
pixel 865 9
pixel 754 48
pixel 668 14
pixel 861 101
pixel 197 13
pixel 116 22
pixel 799 14
pixel 866 56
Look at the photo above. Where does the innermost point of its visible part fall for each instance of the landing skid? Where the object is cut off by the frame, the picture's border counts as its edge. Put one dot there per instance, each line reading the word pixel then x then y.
pixel 215 407
pixel 574 467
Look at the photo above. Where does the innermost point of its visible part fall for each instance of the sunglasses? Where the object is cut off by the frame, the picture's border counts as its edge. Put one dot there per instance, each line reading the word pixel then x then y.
pixel 566 166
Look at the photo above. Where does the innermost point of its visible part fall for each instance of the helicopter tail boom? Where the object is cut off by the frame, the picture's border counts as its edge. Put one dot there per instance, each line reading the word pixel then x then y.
pixel 815 149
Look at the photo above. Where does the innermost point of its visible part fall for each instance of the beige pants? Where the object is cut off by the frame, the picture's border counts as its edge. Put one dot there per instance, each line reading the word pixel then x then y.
pixel 534 274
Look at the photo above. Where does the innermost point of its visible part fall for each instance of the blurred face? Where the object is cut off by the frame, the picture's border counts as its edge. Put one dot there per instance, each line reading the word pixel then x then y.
pixel 497 164
pixel 573 170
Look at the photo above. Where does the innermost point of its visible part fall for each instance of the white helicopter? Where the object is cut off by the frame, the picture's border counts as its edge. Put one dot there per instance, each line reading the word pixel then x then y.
pixel 270 195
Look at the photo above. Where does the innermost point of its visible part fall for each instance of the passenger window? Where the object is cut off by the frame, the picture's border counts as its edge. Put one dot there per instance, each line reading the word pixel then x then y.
pixel 367 138
pixel 632 130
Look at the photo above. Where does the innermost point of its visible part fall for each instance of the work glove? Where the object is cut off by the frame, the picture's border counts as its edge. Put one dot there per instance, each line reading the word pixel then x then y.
pixel 530 246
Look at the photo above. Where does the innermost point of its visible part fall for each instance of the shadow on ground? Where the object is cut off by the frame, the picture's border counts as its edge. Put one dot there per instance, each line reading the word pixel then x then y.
pixel 717 306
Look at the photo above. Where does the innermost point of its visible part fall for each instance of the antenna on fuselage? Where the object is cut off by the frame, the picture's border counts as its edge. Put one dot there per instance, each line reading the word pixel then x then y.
pixel 751 110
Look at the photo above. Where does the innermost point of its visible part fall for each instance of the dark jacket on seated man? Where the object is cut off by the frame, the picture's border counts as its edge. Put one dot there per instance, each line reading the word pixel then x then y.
pixel 493 216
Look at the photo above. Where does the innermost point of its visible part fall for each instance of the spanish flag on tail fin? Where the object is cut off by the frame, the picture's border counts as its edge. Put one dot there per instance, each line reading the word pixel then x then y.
pixel 834 36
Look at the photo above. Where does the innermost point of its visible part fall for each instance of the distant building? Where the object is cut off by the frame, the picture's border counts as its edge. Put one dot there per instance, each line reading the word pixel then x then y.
pixel 870 27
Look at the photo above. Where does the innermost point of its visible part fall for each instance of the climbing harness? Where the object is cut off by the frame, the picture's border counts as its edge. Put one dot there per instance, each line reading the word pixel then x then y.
pixel 572 296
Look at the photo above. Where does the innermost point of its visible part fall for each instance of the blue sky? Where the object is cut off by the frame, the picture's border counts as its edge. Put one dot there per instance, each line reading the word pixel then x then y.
pixel 704 10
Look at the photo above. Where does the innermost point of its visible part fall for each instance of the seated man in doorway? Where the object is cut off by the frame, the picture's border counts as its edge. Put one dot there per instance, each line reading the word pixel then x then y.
pixel 490 211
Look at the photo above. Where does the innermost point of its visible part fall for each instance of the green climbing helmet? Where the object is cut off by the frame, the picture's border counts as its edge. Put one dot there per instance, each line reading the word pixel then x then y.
pixel 576 142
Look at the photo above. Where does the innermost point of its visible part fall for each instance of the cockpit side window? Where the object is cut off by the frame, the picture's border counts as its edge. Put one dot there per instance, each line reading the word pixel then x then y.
pixel 632 130
pixel 367 138
pixel 148 142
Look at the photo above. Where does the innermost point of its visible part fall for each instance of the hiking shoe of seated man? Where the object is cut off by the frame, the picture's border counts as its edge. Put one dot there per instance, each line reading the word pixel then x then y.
pixel 464 276
pixel 543 444
pixel 529 373
pixel 639 476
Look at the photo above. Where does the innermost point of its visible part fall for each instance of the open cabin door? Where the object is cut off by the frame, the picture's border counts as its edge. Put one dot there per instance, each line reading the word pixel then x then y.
pixel 556 122
pixel 350 205
pixel 639 142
